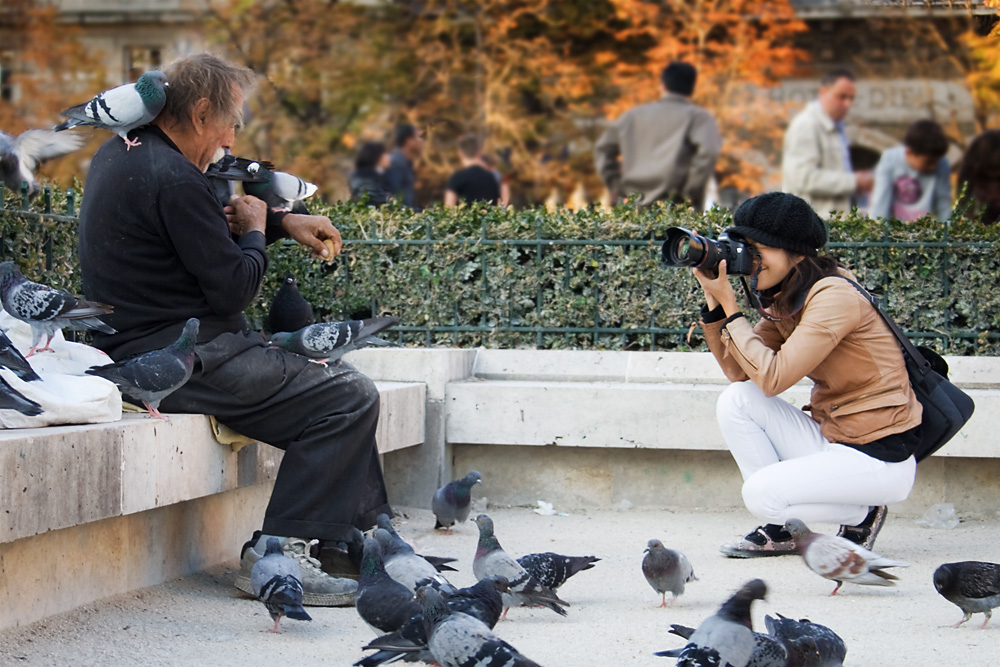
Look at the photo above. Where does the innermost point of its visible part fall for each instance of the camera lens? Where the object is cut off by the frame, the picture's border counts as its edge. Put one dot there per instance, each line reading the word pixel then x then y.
pixel 683 248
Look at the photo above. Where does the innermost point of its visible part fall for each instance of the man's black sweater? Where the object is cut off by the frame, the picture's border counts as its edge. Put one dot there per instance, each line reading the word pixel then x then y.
pixel 155 244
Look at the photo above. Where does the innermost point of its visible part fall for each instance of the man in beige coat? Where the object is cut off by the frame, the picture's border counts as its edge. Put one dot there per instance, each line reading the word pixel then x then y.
pixel 665 150
pixel 816 164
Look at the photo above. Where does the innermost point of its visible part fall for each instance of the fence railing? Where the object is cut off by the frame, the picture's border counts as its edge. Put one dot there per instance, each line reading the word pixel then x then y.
pixel 517 281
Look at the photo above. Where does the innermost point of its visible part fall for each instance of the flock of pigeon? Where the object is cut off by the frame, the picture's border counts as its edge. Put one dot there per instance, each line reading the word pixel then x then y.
pixel 421 617
pixel 152 376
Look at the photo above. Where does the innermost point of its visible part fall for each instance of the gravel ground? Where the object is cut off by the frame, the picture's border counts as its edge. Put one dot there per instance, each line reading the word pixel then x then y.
pixel 614 618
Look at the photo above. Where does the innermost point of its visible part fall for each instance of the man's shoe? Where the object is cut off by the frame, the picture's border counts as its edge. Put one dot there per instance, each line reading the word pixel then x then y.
pixel 769 540
pixel 337 562
pixel 318 588
pixel 864 533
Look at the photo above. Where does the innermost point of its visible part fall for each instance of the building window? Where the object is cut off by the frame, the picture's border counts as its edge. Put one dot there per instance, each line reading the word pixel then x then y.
pixel 6 71
pixel 141 59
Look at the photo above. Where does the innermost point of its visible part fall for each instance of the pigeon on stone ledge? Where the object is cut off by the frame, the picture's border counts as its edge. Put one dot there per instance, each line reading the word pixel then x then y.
pixel 152 376
pixel 328 341
pixel 289 310
pixel 47 309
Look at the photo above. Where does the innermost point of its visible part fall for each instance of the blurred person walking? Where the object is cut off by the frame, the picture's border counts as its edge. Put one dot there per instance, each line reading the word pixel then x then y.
pixel 368 177
pixel 816 163
pixel 401 176
pixel 474 182
pixel 665 150
pixel 914 180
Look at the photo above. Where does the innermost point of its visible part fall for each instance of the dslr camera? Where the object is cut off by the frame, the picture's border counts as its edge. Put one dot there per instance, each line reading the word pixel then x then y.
pixel 685 248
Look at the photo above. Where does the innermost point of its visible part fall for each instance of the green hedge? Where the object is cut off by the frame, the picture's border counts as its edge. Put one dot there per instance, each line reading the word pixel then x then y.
pixel 587 280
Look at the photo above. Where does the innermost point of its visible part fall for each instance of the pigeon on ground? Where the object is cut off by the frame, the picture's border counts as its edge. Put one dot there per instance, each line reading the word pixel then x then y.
pixel 289 310
pixel 809 644
pixel 47 309
pixel 440 563
pixel 12 399
pixel 552 570
pixel 382 602
pixel 725 639
pixel 276 581
pixel 459 640
pixel 972 585
pixel 666 570
pixel 452 502
pixel 406 567
pixel 154 375
pixel 329 341
pixel 11 358
pixel 839 559
pixel 21 155
pixel 409 644
pixel 121 109
pixel 491 560
pixel 768 651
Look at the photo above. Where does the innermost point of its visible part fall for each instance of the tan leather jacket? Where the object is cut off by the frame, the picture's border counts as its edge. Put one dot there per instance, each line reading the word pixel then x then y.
pixel 861 391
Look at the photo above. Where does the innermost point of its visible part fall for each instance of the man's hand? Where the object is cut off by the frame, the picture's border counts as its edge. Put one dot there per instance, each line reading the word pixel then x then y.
pixel 246 214
pixel 312 231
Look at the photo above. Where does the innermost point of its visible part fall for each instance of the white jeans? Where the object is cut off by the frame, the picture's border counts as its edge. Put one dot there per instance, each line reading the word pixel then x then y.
pixel 791 471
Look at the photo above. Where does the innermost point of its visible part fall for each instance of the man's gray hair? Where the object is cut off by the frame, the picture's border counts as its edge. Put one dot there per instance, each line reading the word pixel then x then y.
pixel 199 75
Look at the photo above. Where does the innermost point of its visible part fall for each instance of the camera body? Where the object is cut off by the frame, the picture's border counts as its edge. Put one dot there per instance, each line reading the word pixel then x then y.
pixel 685 248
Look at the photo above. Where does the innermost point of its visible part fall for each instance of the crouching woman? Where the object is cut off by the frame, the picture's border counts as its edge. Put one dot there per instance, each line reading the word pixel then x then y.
pixel 845 456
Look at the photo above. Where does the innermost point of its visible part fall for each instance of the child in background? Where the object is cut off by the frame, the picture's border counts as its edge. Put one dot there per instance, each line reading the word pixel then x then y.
pixel 914 180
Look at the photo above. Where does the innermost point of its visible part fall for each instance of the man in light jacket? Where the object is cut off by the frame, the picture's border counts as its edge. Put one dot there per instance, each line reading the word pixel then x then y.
pixel 665 150
pixel 816 163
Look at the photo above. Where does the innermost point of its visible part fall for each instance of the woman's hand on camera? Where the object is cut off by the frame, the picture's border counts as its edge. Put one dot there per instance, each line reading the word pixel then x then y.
pixel 718 289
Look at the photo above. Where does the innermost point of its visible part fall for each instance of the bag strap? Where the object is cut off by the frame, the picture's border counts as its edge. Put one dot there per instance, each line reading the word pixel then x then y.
pixel 923 366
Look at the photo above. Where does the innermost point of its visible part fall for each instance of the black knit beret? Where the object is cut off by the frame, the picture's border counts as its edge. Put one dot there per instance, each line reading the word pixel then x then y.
pixel 780 220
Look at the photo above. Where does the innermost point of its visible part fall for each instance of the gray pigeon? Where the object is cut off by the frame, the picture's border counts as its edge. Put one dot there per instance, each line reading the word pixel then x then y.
pixel 725 639
pixel 839 559
pixel 452 502
pixel 47 309
pixel 329 341
pixel 21 155
pixel 407 567
pixel 459 640
pixel 152 376
pixel 279 190
pixel 289 310
pixel 409 644
pixel 440 563
pixel 11 358
pixel 382 602
pixel 12 399
pixel 276 581
pixel 121 109
pixel 666 570
pixel 808 644
pixel 972 585
pixel 768 651
pixel 492 561
pixel 552 569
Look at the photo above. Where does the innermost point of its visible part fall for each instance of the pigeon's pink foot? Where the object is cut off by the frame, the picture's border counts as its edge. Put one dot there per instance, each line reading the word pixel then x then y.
pixel 983 626
pixel 156 414
pixel 839 584
pixel 321 362
pixel 664 602
pixel 131 143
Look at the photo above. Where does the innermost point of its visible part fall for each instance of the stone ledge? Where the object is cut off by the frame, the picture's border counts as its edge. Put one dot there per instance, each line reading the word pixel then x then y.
pixel 62 476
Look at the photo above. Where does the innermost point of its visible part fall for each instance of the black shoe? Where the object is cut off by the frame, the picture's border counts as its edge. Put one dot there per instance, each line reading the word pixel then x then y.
pixel 864 533
pixel 767 540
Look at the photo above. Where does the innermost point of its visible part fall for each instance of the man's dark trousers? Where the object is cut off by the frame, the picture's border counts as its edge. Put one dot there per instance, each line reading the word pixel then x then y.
pixel 330 481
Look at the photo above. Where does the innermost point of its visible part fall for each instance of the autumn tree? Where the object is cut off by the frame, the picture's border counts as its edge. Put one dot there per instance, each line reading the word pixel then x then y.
pixel 51 70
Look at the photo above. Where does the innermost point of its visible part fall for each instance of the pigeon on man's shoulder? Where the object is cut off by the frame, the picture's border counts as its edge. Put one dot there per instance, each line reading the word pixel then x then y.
pixel 121 109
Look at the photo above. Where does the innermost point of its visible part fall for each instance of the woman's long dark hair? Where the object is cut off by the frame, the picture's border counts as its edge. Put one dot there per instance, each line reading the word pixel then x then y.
pixel 793 289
